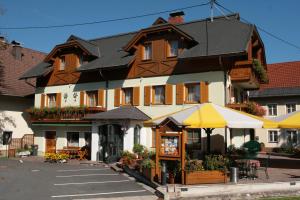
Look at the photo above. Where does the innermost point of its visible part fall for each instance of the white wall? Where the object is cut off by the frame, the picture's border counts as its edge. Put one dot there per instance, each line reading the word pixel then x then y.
pixel 13 116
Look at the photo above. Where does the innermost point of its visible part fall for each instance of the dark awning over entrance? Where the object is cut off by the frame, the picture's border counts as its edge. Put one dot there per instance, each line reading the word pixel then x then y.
pixel 124 112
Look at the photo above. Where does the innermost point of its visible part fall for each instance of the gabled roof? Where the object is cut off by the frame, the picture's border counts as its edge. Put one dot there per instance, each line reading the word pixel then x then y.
pixel 159 20
pixel 40 69
pixel 86 46
pixel 11 69
pixel 155 28
pixel 223 36
pixel 283 80
pixel 123 113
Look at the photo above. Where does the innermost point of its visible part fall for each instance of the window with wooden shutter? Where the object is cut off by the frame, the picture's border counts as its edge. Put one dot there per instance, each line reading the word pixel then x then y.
pixel 147 95
pixel 179 93
pixel 136 96
pixel 91 98
pixel 117 97
pixel 51 100
pixel 58 100
pixel 204 92
pixel 100 97
pixel 42 101
pixel 158 94
pixel 82 98
pixel 169 94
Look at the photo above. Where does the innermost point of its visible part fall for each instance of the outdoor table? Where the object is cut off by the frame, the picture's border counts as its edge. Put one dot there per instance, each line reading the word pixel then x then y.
pixel 248 167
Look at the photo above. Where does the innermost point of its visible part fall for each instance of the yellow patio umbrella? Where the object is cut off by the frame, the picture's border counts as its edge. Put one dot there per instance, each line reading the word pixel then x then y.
pixel 209 116
pixel 291 120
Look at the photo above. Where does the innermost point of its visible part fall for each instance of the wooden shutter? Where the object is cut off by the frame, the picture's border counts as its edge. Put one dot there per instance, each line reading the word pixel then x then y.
pixel 203 92
pixel 136 96
pixel 42 101
pixel 169 94
pixel 147 95
pixel 100 98
pixel 117 97
pixel 179 93
pixel 58 100
pixel 81 98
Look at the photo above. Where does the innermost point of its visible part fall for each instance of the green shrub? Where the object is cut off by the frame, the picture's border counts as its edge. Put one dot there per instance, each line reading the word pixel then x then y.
pixel 138 149
pixel 260 71
pixel 194 165
pixel 215 162
pixel 148 163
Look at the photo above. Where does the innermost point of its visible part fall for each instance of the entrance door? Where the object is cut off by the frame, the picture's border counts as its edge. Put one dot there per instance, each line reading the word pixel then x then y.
pixel 50 137
pixel 111 143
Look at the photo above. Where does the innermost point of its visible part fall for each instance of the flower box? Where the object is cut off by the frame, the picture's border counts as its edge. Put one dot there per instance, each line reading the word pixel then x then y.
pixel 201 177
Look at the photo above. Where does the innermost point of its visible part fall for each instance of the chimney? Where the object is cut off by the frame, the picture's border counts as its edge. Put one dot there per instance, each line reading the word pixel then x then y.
pixel 176 17
pixel 2 39
pixel 17 50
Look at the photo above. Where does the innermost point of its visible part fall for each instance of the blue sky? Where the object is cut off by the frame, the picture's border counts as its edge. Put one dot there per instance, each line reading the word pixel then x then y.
pixel 280 17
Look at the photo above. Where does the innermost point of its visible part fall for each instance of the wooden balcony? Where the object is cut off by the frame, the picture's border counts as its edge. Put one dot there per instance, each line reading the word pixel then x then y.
pixel 243 74
pixel 70 114
pixel 237 106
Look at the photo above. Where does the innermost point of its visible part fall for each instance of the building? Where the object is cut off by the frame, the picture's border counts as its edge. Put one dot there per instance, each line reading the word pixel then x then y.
pixel 131 77
pixel 279 97
pixel 15 95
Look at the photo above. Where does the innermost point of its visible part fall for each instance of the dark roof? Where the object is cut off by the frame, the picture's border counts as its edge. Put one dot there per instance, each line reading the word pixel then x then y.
pixel 275 92
pixel 38 70
pixel 11 68
pixel 124 112
pixel 222 36
pixel 283 80
pixel 87 45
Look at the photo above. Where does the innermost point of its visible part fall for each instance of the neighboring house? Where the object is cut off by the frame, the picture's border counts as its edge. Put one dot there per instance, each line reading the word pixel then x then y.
pixel 15 95
pixel 132 77
pixel 279 97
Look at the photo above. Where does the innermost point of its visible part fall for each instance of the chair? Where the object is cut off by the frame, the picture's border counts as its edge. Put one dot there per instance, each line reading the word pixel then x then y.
pixel 82 154
pixel 265 165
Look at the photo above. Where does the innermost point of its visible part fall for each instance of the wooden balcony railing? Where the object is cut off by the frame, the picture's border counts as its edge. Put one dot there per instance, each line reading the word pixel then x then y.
pixel 60 114
pixel 237 106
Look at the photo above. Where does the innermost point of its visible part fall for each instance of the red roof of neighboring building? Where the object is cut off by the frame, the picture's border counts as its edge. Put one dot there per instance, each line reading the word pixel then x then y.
pixel 283 75
pixel 11 69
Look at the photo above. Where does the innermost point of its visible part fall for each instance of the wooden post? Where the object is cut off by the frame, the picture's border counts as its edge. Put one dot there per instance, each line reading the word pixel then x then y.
pixel 157 151
pixel 183 142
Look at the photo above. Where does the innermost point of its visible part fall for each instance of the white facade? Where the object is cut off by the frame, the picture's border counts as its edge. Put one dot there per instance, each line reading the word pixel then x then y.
pixel 13 117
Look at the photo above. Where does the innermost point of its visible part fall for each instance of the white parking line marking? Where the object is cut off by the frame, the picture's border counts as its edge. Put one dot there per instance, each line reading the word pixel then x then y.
pixel 87 175
pixel 85 183
pixel 77 170
pixel 96 194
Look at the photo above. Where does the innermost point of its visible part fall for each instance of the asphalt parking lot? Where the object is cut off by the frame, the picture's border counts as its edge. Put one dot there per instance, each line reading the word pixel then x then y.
pixel 38 180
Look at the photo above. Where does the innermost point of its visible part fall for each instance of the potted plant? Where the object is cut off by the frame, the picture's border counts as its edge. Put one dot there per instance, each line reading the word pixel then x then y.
pixel 148 168
pixel 138 149
pixel 173 168
pixel 127 158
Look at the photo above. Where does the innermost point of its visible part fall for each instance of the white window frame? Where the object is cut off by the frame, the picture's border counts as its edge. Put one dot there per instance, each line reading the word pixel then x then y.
pixel 186 93
pixel 276 106
pixel 173 48
pixel 124 101
pixel 62 64
pixel 273 137
pixel 292 136
pixel 286 107
pixel 147 51
pixel 49 100
pixel 68 140
pixel 154 93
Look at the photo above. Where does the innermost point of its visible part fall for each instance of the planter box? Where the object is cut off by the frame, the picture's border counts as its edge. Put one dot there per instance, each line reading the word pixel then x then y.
pixel 198 177
pixel 149 173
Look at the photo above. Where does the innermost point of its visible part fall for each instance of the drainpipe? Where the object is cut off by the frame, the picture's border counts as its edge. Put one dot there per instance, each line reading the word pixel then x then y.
pixel 225 96
pixel 106 88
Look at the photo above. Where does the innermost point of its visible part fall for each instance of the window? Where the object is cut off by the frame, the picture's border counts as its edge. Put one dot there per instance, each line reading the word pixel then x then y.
pixel 290 107
pixel 127 96
pixel 173 48
pixel 62 63
pixel 292 137
pixel 51 100
pixel 159 94
pixel 73 139
pixel 80 60
pixel 272 109
pixel 147 51
pixel 193 146
pixel 92 98
pixel 192 93
pixel 137 135
pixel 273 136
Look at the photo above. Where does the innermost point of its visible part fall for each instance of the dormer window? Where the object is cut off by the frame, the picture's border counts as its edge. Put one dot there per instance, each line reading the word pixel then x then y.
pixel 62 63
pixel 172 48
pixel 147 54
pixel 80 60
